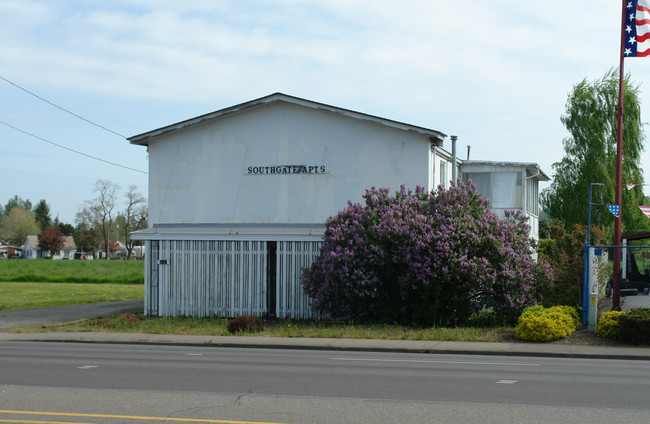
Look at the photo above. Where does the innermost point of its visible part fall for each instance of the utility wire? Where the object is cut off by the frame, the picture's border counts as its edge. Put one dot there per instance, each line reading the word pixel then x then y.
pixel 59 107
pixel 72 150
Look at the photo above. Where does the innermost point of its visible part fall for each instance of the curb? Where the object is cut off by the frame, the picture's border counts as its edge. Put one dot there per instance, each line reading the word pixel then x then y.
pixel 360 345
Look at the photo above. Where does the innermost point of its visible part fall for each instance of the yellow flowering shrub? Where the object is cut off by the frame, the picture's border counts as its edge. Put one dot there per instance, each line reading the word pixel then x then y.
pixel 546 324
pixel 570 311
pixel 609 324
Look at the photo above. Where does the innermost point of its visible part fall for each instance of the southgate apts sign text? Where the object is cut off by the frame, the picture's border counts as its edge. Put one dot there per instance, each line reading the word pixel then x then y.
pixel 286 169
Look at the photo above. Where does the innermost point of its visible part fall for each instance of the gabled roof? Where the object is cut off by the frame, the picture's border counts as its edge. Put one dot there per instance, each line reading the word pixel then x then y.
pixel 32 242
pixel 6 246
pixel 143 139
pixel 68 243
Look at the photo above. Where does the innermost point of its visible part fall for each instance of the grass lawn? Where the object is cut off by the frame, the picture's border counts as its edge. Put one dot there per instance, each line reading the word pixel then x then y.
pixel 49 271
pixel 41 295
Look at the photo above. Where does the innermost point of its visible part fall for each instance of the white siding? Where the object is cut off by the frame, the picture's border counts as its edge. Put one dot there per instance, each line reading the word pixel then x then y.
pixel 532 196
pixel 211 278
pixel 441 171
pixel 292 301
pixel 199 175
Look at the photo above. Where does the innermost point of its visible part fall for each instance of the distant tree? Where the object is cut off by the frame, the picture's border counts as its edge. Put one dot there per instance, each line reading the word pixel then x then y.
pixel 66 229
pixel 86 237
pixel 135 216
pixel 17 202
pixel 545 225
pixel 98 212
pixel 51 239
pixel 590 156
pixel 17 225
pixel 42 214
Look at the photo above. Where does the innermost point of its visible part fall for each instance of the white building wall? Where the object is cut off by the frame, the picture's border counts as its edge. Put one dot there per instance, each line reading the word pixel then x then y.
pixel 226 239
pixel 529 191
pixel 441 170
pixel 201 174
pixel 29 253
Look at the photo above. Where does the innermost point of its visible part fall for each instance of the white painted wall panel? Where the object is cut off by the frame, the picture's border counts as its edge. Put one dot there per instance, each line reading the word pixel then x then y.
pixel 292 257
pixel 226 278
pixel 201 172
pixel 210 278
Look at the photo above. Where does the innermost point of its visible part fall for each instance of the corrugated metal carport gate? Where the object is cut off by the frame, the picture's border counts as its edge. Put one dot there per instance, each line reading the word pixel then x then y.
pixel 227 278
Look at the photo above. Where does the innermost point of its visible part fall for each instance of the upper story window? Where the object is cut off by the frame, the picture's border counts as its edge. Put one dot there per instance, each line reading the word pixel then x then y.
pixel 444 181
pixel 504 189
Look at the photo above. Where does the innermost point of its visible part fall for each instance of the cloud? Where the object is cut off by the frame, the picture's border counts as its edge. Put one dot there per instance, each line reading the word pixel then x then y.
pixel 138 53
pixel 495 73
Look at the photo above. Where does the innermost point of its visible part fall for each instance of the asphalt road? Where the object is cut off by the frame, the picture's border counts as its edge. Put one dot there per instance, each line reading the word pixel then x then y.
pixel 25 317
pixel 298 386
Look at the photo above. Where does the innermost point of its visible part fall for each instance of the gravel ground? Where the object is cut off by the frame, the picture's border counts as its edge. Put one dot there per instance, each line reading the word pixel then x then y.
pixel 583 337
pixel 580 337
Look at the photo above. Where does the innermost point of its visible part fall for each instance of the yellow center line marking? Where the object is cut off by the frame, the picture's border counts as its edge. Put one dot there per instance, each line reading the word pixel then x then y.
pixel 41 422
pixel 72 414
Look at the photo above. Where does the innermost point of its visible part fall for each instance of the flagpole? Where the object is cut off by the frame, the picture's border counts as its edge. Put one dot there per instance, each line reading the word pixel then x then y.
pixel 616 278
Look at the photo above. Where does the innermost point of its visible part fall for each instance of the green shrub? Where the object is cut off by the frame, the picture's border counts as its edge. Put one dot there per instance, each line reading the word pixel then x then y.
pixel 634 326
pixel 484 319
pixel 609 325
pixel 545 246
pixel 531 310
pixel 541 324
pixel 565 254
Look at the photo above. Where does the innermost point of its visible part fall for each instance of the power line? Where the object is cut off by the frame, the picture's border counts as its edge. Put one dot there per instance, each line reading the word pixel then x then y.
pixel 61 108
pixel 72 150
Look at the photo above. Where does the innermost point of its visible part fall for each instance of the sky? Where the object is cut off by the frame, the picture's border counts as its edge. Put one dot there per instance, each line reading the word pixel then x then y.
pixel 495 73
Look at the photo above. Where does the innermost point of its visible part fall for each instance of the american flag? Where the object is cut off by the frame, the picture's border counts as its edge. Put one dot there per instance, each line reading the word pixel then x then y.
pixel 637 28
pixel 614 209
pixel 645 210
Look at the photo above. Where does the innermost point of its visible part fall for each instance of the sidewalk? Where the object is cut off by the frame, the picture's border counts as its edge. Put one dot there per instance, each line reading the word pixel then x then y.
pixel 407 346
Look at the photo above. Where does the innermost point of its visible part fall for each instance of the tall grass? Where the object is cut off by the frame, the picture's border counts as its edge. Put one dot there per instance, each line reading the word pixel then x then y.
pixel 50 271
pixel 281 328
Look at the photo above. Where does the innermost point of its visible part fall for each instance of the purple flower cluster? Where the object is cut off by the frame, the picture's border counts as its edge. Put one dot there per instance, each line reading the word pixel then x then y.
pixel 420 258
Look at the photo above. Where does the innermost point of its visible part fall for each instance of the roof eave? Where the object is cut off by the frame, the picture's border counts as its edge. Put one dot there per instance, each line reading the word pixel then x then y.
pixel 531 168
pixel 143 139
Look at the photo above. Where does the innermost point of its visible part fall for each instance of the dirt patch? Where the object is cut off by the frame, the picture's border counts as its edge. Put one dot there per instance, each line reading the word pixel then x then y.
pixel 130 318
pixel 580 337
pixel 583 337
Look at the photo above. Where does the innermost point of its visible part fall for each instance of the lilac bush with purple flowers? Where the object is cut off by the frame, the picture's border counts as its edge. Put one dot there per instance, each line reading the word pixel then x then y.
pixel 420 258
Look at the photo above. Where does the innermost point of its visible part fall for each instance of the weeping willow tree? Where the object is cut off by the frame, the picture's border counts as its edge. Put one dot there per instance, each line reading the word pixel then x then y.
pixel 590 157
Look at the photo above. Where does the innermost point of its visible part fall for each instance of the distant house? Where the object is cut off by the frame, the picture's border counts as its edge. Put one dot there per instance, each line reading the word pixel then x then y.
pixel 31 250
pixel 7 251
